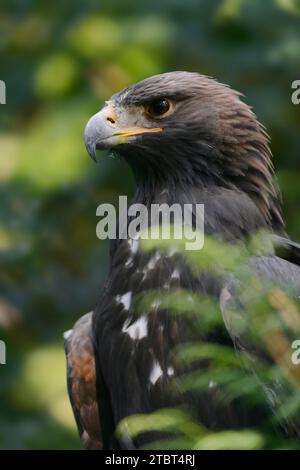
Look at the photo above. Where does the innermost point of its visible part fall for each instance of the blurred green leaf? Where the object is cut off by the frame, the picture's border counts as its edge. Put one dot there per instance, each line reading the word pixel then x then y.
pixel 56 76
pixel 228 440
pixel 95 35
pixel 291 6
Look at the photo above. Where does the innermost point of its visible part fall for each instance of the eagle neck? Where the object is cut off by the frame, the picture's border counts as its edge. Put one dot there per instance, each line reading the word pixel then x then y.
pixel 228 212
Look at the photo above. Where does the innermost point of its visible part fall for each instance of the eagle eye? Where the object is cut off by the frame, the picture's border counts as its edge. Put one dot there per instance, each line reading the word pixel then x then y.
pixel 158 107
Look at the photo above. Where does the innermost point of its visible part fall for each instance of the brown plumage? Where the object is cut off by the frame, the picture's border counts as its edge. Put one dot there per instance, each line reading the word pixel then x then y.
pixel 82 381
pixel 188 139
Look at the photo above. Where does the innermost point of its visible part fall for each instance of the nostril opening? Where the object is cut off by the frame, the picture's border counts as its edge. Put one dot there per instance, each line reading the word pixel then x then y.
pixel 110 119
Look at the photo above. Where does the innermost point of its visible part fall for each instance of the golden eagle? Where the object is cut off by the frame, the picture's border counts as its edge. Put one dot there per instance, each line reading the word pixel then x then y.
pixel 187 139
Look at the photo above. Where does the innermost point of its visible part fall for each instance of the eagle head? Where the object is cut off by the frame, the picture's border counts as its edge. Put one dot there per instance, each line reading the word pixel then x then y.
pixel 183 128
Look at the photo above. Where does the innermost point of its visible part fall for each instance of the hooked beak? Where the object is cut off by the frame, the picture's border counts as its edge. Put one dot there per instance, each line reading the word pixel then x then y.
pixel 103 131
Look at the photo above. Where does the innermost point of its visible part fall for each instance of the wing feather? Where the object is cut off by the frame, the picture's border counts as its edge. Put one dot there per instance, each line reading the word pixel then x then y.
pixel 81 380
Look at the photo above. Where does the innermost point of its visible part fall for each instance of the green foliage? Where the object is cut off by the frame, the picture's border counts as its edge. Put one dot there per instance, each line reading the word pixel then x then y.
pixel 59 65
pixel 60 61
pixel 258 373
pixel 291 6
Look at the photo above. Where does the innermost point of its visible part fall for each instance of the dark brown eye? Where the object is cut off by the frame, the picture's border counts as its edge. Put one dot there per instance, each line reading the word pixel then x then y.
pixel 159 107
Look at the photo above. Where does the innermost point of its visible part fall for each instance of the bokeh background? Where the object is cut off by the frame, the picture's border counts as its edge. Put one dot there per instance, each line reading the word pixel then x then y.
pixel 60 61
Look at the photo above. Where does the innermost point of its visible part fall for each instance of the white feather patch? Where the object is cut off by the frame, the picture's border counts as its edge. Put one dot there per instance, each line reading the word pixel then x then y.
pixel 68 334
pixel 134 245
pixel 175 274
pixel 138 329
pixel 125 299
pixel 156 372
pixel 153 260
